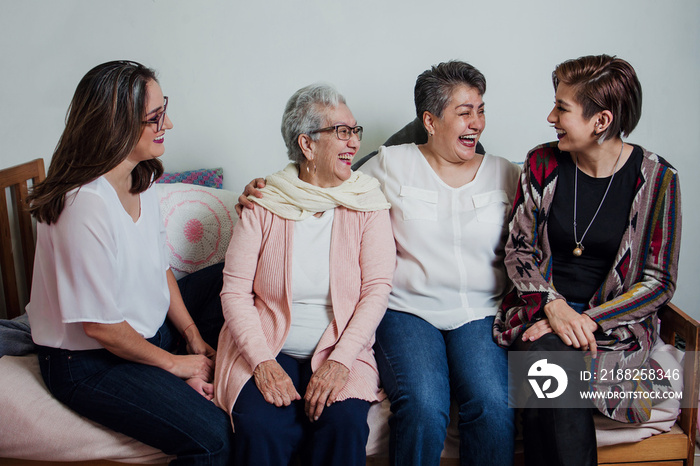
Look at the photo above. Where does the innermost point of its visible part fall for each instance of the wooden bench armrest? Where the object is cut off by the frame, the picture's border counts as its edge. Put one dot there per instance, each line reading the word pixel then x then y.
pixel 677 325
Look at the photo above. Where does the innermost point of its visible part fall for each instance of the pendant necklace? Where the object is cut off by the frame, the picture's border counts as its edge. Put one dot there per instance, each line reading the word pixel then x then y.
pixel 578 250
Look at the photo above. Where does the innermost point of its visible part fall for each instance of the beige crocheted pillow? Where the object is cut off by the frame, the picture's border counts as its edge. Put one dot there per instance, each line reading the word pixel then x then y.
pixel 198 223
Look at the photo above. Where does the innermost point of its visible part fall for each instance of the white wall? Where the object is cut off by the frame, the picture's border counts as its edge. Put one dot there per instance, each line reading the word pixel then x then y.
pixel 229 67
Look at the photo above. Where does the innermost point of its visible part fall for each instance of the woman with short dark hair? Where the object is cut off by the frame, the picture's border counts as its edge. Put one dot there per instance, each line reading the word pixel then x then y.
pixel 592 252
pixel 449 212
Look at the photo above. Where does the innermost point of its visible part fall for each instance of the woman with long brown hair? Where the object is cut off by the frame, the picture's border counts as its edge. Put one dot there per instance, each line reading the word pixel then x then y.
pixel 105 309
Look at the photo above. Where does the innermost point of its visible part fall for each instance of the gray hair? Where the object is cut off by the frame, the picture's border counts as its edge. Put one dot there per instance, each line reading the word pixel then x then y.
pixel 434 86
pixel 305 112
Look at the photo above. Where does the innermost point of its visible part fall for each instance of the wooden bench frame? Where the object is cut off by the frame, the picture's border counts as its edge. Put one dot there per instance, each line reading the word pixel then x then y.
pixel 678 446
pixel 16 178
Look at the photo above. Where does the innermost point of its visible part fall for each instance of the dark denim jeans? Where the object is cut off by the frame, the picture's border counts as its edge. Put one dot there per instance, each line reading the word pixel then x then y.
pixel 270 436
pixel 141 401
pixel 421 366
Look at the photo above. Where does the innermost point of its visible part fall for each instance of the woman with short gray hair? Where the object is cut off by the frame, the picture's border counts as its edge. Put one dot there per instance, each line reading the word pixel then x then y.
pixel 449 217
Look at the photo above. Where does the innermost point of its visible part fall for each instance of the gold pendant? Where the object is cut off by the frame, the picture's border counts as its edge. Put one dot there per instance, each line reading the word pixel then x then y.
pixel 578 250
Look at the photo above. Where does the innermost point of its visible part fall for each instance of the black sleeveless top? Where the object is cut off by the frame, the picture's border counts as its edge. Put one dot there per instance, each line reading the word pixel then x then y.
pixel 578 278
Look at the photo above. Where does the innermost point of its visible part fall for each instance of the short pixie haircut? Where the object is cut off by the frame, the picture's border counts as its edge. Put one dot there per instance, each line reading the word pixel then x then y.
pixel 306 111
pixel 434 86
pixel 602 82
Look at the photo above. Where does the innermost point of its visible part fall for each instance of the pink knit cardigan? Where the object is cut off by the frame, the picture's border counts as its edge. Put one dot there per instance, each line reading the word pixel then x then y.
pixel 256 298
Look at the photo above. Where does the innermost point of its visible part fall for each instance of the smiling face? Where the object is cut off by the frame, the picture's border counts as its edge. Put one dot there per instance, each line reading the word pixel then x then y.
pixel 575 133
pixel 458 130
pixel 151 145
pixel 332 157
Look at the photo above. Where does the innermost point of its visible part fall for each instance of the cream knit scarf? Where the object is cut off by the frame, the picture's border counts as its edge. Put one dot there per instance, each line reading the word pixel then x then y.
pixel 293 199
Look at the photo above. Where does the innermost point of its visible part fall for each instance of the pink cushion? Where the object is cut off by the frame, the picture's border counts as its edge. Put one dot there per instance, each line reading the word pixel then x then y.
pixel 34 425
pixel 198 224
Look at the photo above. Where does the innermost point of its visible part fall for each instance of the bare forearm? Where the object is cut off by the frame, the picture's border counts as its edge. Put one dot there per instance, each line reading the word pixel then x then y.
pixel 182 320
pixel 122 340
pixel 177 313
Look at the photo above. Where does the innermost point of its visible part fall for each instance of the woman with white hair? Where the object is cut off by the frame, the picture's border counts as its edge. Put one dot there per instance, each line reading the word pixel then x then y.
pixel 306 282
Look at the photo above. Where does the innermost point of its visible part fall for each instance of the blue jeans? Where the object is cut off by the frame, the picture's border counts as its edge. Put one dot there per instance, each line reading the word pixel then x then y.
pixel 141 401
pixel 420 366
pixel 578 307
pixel 270 436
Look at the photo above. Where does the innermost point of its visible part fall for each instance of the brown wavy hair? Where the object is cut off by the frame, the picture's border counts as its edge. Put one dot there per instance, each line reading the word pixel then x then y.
pixel 103 126
pixel 603 82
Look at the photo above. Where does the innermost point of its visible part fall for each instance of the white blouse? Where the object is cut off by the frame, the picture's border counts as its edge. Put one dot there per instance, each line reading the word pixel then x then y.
pixel 95 264
pixel 450 241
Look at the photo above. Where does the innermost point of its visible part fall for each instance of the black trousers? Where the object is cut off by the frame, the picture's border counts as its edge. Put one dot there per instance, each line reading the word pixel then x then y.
pixel 200 292
pixel 559 435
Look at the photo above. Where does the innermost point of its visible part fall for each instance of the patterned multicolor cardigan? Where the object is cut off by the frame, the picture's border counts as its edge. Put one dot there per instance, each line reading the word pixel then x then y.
pixel 641 280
